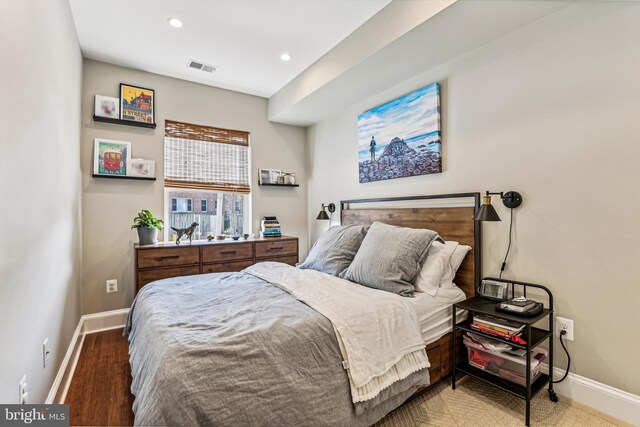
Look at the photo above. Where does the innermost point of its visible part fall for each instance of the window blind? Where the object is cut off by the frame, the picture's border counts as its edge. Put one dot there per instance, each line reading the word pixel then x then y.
pixel 206 158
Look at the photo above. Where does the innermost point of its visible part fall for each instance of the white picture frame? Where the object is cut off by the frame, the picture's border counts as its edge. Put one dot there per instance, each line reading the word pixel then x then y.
pixel 268 176
pixel 113 164
pixel 141 168
pixel 107 106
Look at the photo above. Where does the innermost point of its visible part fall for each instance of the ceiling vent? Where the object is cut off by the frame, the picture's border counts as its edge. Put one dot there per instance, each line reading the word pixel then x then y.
pixel 201 66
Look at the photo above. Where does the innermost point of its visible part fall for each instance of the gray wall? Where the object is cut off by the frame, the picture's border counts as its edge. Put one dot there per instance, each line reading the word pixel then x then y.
pixel 110 205
pixel 551 111
pixel 40 249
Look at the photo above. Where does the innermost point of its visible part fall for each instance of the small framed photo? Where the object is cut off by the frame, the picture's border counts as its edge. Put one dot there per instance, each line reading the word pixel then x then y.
pixel 137 104
pixel 269 176
pixel 142 168
pixel 110 157
pixel 107 106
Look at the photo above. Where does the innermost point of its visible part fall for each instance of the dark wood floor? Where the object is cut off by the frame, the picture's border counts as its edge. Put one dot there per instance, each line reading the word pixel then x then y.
pixel 100 394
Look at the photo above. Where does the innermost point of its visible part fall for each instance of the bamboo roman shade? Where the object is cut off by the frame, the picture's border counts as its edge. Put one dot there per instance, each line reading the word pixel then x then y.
pixel 206 158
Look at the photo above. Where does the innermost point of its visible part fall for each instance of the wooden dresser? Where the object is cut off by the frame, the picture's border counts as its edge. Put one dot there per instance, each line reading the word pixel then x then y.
pixel 164 260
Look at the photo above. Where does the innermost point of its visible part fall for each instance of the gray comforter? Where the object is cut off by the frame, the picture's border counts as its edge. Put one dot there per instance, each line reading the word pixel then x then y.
pixel 233 350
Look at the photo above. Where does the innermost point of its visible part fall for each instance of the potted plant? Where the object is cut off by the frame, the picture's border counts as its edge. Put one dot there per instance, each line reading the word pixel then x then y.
pixel 148 226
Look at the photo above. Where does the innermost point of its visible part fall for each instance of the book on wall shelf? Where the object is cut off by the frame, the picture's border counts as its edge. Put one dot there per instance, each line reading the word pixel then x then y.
pixel 270 227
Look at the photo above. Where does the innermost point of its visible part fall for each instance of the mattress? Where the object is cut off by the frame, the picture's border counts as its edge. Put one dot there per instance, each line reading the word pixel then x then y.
pixel 435 312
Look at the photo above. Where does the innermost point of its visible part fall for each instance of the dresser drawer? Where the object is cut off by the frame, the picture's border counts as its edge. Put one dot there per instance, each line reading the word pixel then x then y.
pixel 166 257
pixel 276 248
pixel 227 252
pixel 291 260
pixel 224 267
pixel 148 276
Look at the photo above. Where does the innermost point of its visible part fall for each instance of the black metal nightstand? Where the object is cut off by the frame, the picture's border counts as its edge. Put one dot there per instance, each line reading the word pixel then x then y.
pixel 532 335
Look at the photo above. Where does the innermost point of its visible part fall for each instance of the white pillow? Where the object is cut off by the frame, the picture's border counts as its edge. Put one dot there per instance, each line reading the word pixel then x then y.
pixel 455 261
pixel 435 266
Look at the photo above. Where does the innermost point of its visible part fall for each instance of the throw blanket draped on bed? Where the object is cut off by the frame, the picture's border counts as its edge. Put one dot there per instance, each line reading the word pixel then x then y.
pixel 378 332
pixel 233 349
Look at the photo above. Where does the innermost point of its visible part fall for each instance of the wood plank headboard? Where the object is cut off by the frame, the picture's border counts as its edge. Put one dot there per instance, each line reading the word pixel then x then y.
pixel 452 223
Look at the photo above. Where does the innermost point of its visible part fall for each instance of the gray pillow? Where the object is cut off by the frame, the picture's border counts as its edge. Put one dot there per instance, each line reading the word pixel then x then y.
pixel 334 250
pixel 390 258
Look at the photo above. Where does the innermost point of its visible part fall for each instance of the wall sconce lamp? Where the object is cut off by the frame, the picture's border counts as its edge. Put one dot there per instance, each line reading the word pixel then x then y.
pixel 323 213
pixel 511 199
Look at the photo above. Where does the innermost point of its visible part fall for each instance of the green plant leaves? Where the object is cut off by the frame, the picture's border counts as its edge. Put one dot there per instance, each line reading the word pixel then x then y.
pixel 145 219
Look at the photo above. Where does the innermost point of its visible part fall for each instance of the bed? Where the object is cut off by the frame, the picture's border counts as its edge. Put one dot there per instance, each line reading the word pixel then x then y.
pixel 267 346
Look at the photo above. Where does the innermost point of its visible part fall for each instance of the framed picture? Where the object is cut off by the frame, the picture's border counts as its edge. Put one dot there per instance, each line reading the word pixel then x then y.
pixel 110 157
pixel 142 168
pixel 402 137
pixel 137 103
pixel 269 176
pixel 107 106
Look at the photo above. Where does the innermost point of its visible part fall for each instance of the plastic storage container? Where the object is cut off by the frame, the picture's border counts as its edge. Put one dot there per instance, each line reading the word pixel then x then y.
pixel 507 366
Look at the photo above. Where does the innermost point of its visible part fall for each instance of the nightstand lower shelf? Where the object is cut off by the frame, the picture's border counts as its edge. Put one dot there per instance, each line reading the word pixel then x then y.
pixel 506 385
pixel 537 335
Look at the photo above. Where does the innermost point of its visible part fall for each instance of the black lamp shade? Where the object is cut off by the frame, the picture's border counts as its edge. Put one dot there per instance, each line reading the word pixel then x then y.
pixel 323 214
pixel 487 213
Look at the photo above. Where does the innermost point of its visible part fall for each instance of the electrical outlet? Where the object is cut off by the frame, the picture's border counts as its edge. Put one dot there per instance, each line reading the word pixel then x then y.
pixel 563 324
pixel 45 353
pixel 22 390
pixel 112 286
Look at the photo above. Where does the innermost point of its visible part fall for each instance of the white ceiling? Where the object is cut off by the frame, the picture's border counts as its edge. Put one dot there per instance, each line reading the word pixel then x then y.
pixel 243 38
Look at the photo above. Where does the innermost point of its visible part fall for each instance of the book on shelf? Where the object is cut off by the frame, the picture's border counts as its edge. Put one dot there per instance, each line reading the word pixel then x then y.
pixel 497 323
pixel 516 338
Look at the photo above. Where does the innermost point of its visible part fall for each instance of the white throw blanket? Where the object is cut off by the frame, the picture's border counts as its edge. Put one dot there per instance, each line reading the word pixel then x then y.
pixel 378 332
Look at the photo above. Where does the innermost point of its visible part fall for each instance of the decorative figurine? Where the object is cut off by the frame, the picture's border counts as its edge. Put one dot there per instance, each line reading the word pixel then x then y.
pixel 185 231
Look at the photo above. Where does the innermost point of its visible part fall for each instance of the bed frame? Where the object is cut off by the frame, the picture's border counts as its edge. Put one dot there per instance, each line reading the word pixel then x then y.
pixel 452 223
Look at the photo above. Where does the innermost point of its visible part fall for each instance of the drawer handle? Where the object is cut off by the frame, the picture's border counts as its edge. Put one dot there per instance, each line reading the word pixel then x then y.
pixel 228 252
pixel 162 258
pixel 278 248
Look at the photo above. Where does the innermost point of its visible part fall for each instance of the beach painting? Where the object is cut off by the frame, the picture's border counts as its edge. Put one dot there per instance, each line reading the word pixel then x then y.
pixel 402 137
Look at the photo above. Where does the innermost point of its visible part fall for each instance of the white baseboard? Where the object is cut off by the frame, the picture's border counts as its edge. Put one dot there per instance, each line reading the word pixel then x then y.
pixel 104 321
pixel 609 400
pixel 88 324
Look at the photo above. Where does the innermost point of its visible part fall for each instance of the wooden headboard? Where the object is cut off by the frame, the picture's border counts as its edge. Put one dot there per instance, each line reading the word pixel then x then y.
pixel 452 223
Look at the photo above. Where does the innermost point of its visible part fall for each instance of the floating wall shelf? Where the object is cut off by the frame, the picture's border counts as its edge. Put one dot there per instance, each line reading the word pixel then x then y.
pixel 281 185
pixel 140 178
pixel 123 122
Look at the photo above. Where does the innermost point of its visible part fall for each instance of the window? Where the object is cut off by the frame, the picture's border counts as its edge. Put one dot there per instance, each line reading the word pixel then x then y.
pixel 181 204
pixel 229 221
pixel 209 165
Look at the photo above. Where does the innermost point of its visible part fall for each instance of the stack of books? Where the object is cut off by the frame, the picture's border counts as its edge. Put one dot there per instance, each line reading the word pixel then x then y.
pixel 271 227
pixel 496 327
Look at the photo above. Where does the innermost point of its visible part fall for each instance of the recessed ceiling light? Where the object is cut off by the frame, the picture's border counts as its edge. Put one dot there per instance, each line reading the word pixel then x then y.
pixel 175 22
pixel 286 56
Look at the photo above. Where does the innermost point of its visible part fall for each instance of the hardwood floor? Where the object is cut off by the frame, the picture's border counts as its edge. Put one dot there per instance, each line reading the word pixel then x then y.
pixel 99 393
